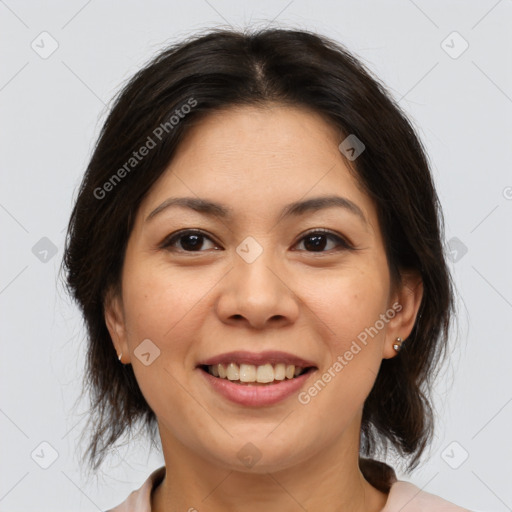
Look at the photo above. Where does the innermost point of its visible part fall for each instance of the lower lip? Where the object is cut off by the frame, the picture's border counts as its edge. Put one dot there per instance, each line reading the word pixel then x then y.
pixel 257 395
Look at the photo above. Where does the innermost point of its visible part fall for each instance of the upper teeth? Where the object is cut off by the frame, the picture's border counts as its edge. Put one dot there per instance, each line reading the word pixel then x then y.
pixel 251 373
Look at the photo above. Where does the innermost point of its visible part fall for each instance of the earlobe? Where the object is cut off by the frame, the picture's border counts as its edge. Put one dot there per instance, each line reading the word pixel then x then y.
pixel 114 319
pixel 409 297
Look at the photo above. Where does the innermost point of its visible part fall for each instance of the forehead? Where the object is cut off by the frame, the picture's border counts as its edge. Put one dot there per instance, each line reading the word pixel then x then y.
pixel 273 134
pixel 255 159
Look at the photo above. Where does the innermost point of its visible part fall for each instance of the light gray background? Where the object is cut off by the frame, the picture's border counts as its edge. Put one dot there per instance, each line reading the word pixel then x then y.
pixel 51 111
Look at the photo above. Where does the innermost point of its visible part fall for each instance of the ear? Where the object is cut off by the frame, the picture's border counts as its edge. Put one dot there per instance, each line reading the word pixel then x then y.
pixel 406 301
pixel 114 319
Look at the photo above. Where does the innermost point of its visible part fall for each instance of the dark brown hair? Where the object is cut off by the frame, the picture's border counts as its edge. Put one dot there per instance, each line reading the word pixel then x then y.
pixel 224 68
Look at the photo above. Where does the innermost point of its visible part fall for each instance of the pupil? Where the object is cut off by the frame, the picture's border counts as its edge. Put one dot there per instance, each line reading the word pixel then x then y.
pixel 196 241
pixel 319 242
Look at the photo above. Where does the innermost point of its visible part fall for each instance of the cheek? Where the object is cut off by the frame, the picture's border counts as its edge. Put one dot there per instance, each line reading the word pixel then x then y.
pixel 163 308
pixel 348 302
pixel 351 307
pixel 158 302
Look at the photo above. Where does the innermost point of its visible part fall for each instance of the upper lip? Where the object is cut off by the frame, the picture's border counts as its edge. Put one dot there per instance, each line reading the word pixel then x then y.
pixel 244 357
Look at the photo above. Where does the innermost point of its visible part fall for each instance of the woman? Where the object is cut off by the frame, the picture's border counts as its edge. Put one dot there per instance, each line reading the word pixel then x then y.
pixel 257 251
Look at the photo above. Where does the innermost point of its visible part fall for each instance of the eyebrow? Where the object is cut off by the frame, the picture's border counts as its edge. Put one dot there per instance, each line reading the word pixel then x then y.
pixel 295 209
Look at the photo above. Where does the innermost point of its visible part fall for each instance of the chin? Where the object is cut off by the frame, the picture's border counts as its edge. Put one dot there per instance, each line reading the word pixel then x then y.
pixel 259 455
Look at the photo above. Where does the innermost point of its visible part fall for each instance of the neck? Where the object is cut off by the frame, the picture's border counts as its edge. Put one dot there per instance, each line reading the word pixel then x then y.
pixel 330 481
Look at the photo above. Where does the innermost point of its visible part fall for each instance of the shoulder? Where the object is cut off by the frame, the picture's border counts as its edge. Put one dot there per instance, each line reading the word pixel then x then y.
pixel 406 497
pixel 140 499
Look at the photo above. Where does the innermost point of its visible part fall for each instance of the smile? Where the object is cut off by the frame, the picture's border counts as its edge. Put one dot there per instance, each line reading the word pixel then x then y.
pixel 252 374
pixel 255 379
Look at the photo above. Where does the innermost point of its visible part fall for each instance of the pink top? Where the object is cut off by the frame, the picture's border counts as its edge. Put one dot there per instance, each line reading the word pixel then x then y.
pixel 403 497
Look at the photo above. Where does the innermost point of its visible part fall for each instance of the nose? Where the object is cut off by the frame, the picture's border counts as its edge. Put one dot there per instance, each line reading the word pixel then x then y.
pixel 257 294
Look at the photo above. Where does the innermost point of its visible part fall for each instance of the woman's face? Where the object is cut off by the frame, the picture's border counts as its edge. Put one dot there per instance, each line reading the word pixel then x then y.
pixel 258 288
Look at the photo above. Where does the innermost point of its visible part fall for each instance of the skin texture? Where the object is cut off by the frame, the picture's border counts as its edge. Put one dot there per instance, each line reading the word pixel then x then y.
pixel 197 304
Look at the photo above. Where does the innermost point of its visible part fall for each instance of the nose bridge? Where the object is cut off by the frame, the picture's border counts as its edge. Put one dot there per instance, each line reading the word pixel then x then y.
pixel 253 264
pixel 254 289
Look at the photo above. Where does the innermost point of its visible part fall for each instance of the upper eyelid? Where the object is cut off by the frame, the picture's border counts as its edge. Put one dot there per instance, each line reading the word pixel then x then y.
pixel 182 232
pixel 327 232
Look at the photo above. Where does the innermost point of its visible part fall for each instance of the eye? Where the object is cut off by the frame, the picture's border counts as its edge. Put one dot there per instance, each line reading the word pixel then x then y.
pixel 194 241
pixel 190 240
pixel 316 241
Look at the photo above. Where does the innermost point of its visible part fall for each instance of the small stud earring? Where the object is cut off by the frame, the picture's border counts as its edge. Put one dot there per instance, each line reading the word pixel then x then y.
pixel 119 356
pixel 398 344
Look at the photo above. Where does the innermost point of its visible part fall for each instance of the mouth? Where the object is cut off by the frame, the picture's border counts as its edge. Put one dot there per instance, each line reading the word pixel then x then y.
pixel 250 374
pixel 256 380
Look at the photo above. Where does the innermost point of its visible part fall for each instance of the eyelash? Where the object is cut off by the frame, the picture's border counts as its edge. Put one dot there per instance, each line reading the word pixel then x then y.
pixel 174 237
